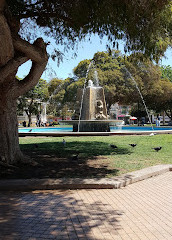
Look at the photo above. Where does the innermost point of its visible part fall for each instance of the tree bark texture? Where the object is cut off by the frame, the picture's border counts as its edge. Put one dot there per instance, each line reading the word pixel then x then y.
pixel 9 143
pixel 15 51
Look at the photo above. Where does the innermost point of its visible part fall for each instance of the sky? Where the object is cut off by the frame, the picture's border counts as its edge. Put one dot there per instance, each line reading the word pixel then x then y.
pixel 86 50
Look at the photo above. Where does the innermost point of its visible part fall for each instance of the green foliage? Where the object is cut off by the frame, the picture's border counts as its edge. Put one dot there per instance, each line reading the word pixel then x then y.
pixel 143 25
pixel 152 81
pixel 167 72
pixel 59 95
pixel 56 92
pixel 138 110
pixel 81 68
pixel 118 85
pixel 30 102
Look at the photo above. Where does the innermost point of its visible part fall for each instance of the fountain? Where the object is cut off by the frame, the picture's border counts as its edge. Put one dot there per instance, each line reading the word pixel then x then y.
pixel 91 115
pixel 90 110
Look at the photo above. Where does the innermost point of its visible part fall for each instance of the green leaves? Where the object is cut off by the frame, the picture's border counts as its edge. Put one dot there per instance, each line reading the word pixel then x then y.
pixel 30 102
pixel 167 72
pixel 144 25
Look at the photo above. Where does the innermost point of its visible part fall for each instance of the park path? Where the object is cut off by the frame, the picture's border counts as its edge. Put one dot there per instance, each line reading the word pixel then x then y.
pixel 140 211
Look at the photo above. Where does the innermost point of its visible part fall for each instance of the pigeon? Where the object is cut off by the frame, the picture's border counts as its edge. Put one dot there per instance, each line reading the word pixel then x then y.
pixel 157 148
pixel 113 146
pixel 152 134
pixel 30 130
pixel 133 145
pixel 64 142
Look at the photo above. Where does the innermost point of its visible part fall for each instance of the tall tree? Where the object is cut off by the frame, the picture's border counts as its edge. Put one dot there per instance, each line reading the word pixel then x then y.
pixel 141 23
pixel 119 76
pixel 165 100
pixel 109 66
pixel 59 96
pixel 30 102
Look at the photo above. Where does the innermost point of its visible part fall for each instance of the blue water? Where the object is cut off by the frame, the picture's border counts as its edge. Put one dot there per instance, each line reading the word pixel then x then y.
pixel 46 129
pixel 136 128
pixel 69 129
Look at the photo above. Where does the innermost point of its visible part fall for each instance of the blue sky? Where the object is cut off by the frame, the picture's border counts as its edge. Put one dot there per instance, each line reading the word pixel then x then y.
pixel 86 50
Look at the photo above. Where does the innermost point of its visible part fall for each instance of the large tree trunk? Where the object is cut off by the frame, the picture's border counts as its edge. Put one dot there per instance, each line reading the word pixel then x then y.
pixel 9 143
pixel 15 51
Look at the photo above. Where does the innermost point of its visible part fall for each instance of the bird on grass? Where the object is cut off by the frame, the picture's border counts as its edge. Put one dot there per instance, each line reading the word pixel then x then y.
pixel 157 148
pixel 113 146
pixel 30 130
pixel 152 134
pixel 133 145
pixel 64 143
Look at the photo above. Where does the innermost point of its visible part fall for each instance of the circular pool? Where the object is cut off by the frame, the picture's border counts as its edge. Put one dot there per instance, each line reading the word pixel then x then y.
pixel 62 131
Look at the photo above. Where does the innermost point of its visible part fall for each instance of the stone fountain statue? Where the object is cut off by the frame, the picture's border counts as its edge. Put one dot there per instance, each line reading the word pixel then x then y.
pixel 99 111
pixel 94 104
pixel 90 110
pixel 93 110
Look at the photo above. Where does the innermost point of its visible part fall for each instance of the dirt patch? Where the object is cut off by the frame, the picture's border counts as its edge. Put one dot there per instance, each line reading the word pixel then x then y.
pixel 50 166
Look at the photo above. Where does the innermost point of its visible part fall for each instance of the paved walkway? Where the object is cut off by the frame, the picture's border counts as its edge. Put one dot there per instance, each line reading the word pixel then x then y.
pixel 140 211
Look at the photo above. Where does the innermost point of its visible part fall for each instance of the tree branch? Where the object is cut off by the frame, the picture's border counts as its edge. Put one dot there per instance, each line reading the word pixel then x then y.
pixel 168 114
pixel 37 53
pixel 33 51
pixel 11 66
pixel 31 79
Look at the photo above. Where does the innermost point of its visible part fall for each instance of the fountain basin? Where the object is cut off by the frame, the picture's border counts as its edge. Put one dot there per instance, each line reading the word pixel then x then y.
pixel 67 131
pixel 92 125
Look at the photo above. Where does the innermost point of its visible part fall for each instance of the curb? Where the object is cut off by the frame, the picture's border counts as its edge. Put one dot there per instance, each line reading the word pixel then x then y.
pixel 78 183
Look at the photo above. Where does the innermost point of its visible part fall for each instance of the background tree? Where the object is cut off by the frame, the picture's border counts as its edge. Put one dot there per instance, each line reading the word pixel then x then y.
pixel 31 101
pixel 117 85
pixel 56 93
pixel 143 24
pixel 138 110
pixel 118 75
pixel 165 100
pixel 59 96
pixel 167 72
pixel 155 86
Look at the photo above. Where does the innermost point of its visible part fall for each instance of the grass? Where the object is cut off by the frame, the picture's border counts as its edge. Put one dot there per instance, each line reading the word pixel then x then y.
pixel 97 152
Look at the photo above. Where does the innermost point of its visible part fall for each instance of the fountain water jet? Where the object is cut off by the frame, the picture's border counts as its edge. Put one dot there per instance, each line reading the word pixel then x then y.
pixel 129 74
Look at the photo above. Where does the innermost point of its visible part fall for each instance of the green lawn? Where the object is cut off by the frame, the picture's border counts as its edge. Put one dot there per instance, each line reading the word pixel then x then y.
pixel 121 160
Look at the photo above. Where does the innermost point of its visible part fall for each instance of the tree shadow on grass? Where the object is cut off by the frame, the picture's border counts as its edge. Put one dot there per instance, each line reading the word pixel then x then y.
pixel 56 215
pixel 85 149
pixel 58 161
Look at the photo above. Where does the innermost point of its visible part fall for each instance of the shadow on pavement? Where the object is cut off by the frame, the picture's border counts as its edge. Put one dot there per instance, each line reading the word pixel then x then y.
pixel 55 215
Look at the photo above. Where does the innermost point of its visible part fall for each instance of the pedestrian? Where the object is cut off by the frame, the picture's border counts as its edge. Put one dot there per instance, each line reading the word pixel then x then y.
pixel 158 120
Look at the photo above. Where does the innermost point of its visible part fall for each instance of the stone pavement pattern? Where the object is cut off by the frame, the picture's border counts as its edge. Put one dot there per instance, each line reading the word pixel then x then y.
pixel 139 211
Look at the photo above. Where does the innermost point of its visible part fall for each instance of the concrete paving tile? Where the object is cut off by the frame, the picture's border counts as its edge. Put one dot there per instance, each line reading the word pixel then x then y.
pixel 141 211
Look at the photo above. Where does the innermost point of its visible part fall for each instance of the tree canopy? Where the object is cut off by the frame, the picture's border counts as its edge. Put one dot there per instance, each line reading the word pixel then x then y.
pixel 113 69
pixel 144 25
